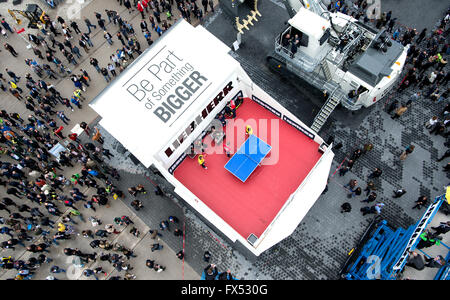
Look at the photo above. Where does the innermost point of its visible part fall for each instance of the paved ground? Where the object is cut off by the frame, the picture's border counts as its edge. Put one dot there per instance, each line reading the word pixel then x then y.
pixel 317 249
pixel 175 269
pixel 412 13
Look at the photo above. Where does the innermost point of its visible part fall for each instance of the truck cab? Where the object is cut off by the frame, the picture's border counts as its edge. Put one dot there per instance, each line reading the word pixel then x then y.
pixel 340 55
pixel 312 33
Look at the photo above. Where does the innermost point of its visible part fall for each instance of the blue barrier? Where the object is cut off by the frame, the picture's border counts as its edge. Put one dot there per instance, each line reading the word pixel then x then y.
pixel 385 252
pixel 379 253
pixel 444 271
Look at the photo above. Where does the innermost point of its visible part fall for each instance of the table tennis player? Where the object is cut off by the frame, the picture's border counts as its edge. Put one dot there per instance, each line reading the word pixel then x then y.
pixel 201 161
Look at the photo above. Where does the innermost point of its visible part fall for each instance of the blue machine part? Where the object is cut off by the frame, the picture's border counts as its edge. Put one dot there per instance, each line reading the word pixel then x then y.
pixel 386 251
pixel 444 271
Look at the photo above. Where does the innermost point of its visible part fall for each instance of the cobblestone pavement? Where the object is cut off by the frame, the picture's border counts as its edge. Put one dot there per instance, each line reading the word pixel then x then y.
pixel 319 246
pixel 132 175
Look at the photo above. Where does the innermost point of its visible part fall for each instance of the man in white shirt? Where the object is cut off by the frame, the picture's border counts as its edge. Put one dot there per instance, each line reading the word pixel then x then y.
pixel 112 69
pixel 432 77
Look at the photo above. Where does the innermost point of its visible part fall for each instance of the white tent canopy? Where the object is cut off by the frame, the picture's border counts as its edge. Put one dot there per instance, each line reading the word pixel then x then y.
pixel 164 89
pixel 171 93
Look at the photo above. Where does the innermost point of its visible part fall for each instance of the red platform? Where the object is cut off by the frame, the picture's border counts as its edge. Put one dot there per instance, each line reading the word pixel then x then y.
pixel 251 206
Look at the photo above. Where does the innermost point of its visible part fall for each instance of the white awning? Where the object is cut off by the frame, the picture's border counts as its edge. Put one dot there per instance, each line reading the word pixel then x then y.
pixel 309 23
pixel 157 96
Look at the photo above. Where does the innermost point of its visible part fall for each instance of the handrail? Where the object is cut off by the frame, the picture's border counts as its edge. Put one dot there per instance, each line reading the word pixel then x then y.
pixel 304 61
pixel 316 81
pixel 325 104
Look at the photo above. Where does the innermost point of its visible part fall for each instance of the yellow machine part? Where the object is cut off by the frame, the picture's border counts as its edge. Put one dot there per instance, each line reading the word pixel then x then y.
pixel 249 20
pixel 18 21
pixel 42 17
pixel 31 19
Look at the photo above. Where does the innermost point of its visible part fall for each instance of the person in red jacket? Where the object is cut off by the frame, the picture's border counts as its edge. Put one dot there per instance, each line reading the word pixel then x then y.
pixel 145 5
pixel 40 182
pixel 226 149
pixel 232 104
pixel 58 132
pixel 140 8
pixel 74 137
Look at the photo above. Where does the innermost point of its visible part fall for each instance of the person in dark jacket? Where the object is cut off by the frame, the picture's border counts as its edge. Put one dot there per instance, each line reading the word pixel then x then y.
pixel 13 191
pixel 210 272
pixel 225 276
pixel 436 262
pixel 398 193
pixel 421 202
pixel 443 228
pixel 415 261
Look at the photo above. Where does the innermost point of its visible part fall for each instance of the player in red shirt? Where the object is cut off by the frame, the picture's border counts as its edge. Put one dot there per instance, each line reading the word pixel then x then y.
pixel 227 149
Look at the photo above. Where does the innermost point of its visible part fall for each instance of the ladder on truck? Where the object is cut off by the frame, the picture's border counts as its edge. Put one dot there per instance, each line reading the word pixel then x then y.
pixel 386 251
pixel 326 70
pixel 326 110
pixel 420 227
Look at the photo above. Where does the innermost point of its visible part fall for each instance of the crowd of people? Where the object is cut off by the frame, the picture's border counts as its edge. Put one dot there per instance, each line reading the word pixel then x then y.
pixel 426 51
pixel 426 69
pixel 29 172
pixel 211 273
pixel 44 207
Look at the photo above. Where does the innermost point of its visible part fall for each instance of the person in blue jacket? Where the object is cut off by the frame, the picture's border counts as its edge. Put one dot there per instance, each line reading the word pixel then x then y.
pixel 210 272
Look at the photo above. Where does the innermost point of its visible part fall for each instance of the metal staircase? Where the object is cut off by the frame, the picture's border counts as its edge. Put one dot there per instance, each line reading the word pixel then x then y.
pixel 326 110
pixel 326 70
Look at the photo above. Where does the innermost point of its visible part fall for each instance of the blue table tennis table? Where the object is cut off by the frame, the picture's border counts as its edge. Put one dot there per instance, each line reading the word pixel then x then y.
pixel 248 157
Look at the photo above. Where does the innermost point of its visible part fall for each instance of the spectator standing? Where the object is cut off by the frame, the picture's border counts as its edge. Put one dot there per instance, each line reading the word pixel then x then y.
pixel 94 63
pixel 105 74
pixel 112 69
pixel 408 150
pixel 108 37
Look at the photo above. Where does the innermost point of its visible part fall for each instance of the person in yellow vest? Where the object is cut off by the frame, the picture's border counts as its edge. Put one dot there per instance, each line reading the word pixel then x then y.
pixel 248 130
pixel 201 161
pixel 77 93
pixel 61 227
pixel 15 87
